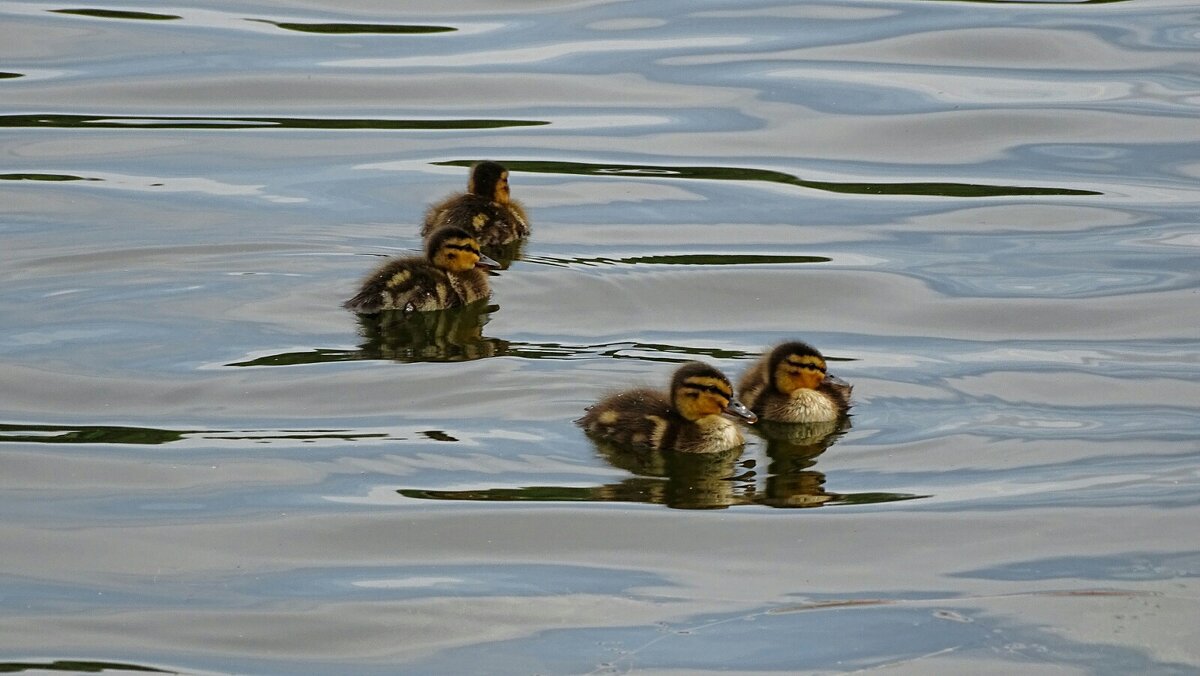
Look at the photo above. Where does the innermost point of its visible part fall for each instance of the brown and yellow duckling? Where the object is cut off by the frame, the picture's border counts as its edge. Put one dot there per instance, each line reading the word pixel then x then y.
pixel 451 273
pixel 486 209
pixel 790 384
pixel 687 419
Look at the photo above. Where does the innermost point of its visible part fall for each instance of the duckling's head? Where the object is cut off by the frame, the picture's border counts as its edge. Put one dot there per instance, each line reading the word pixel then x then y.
pixel 699 390
pixel 795 366
pixel 490 180
pixel 455 250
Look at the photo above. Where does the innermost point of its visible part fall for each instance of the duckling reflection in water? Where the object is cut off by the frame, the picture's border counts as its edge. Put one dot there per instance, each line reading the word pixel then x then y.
pixel 790 384
pixel 676 479
pixel 686 419
pixel 450 274
pixel 455 334
pixel 793 449
pixel 486 210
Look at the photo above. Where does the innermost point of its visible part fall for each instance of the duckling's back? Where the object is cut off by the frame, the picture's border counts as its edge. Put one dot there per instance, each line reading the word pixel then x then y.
pixel 491 223
pixel 640 417
pixel 413 284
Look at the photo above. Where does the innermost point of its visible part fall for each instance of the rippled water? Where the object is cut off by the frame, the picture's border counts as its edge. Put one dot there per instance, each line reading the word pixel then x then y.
pixel 983 212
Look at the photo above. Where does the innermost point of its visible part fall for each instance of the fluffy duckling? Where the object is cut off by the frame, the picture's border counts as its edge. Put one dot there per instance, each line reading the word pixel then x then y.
pixel 687 419
pixel 789 384
pixel 486 209
pixel 450 274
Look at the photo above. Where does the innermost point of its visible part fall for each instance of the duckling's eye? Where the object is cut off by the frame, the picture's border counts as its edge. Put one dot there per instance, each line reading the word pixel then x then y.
pixel 451 255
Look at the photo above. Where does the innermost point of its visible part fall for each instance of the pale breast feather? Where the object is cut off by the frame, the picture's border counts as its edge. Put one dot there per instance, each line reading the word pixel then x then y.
pixel 805 406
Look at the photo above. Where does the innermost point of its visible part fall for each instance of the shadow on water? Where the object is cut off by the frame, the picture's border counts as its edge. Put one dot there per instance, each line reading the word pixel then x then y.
pixel 300 27
pixel 652 352
pixel 67 434
pixel 52 178
pixel 111 434
pixel 203 122
pixel 681 259
pixel 449 335
pixel 744 174
pixel 700 480
pixel 356 28
pixel 396 343
pixel 77 667
pixel 456 334
pixel 117 14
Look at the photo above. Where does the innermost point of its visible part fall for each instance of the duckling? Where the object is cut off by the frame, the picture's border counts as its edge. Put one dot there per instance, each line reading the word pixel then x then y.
pixel 486 209
pixel 789 384
pixel 687 419
pixel 450 274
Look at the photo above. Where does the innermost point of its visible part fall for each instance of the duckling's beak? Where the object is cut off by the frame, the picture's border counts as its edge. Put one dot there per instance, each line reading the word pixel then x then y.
pixel 739 409
pixel 831 379
pixel 486 263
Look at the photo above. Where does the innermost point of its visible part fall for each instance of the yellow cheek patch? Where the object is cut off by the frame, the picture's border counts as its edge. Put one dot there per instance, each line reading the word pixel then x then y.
pixel 457 255
pixel 701 396
pixel 711 404
pixel 799 371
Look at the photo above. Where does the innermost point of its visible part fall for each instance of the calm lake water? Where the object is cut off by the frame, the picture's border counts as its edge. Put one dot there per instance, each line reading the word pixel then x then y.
pixel 984 213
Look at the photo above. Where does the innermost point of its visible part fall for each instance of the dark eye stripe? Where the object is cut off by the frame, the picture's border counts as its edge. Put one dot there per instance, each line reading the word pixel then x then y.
pixel 463 247
pixel 806 365
pixel 711 389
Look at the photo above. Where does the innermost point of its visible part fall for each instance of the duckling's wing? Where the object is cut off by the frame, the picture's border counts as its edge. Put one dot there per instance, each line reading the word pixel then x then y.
pixel 390 286
pixel 634 417
pixel 517 213
pixel 364 303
